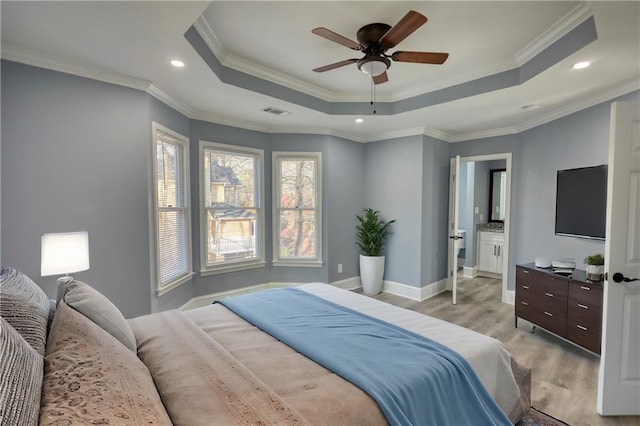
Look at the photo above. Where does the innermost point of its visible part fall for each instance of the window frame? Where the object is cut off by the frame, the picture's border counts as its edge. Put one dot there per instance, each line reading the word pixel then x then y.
pixel 183 142
pixel 240 265
pixel 277 157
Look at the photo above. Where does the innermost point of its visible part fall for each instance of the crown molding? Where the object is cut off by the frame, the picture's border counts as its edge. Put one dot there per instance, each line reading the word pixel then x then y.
pixel 204 29
pixel 581 104
pixel 29 57
pixel 482 134
pixel 438 134
pixel 554 33
pixel 228 121
pixel 181 107
pixel 554 114
pixel 396 134
pixel 239 64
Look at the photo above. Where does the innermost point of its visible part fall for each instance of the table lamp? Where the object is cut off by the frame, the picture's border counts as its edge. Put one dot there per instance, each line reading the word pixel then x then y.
pixel 64 253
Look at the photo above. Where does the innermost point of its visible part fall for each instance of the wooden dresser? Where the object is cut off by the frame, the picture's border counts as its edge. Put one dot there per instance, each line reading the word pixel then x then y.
pixel 570 307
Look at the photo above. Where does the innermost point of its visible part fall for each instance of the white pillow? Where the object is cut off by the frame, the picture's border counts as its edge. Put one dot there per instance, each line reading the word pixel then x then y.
pixel 95 306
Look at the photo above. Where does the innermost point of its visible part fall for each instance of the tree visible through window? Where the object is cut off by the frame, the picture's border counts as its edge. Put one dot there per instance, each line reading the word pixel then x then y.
pixel 297 212
pixel 232 211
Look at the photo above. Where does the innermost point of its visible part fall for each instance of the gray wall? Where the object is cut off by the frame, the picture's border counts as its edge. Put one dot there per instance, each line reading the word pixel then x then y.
pixel 393 176
pixel 577 140
pixel 75 157
pixel 344 198
pixel 435 211
pixel 342 182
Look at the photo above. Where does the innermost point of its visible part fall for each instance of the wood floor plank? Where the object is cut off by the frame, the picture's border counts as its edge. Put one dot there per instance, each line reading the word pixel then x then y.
pixel 564 377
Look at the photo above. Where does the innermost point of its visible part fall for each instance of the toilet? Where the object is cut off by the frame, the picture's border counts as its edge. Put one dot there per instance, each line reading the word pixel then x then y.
pixel 460 249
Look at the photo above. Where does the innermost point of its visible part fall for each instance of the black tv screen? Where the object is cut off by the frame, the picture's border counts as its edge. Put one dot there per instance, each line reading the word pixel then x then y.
pixel 581 202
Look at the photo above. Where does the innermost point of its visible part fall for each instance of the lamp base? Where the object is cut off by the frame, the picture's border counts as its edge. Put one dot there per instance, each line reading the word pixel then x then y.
pixel 62 284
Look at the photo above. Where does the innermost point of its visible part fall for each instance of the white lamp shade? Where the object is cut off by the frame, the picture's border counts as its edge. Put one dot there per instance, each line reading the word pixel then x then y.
pixel 373 68
pixel 64 253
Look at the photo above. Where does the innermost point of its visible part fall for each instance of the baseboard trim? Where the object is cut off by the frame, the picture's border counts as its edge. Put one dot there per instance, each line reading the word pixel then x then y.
pixel 200 301
pixel 353 283
pixel 468 272
pixel 207 299
pixel 414 293
pixel 509 297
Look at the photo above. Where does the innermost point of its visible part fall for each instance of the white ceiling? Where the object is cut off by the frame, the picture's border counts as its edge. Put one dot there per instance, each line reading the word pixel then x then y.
pixel 131 43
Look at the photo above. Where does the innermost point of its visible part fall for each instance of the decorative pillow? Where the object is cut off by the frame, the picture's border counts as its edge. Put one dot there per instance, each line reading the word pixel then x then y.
pixel 20 378
pixel 91 378
pixel 25 306
pixel 93 305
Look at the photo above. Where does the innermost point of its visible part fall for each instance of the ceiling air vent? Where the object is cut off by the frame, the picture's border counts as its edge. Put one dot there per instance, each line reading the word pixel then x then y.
pixel 276 111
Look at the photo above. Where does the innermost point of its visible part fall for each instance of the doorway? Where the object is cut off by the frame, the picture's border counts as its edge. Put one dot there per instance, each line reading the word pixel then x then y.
pixel 470 206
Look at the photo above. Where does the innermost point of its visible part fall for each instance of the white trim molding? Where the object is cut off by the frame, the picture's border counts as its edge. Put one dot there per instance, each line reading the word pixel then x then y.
pixel 414 293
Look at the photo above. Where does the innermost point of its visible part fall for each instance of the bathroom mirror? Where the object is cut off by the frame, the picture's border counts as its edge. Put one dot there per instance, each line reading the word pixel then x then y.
pixel 497 194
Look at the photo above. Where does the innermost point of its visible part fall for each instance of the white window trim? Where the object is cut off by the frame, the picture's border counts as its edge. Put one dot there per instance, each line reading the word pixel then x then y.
pixel 183 140
pixel 240 265
pixel 275 164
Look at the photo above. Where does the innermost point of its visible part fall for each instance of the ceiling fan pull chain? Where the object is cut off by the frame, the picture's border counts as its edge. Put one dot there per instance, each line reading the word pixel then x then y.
pixel 373 96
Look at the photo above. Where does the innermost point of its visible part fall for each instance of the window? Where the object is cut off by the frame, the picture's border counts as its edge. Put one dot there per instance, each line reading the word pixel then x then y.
pixel 297 210
pixel 232 216
pixel 171 209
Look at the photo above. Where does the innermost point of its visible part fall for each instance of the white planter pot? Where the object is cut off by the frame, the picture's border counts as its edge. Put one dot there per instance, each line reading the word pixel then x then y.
pixel 595 272
pixel 371 273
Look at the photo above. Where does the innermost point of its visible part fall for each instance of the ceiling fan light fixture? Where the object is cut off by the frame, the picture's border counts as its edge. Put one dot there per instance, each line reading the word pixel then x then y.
pixel 373 65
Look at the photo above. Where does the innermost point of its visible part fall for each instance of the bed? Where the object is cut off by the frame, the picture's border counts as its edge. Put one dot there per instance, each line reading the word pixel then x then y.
pixel 201 367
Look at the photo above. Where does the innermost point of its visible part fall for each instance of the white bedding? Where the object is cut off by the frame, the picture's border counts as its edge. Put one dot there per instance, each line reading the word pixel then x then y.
pixel 486 355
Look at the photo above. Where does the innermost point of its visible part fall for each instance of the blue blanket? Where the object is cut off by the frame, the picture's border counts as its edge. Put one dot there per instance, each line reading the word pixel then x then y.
pixel 414 380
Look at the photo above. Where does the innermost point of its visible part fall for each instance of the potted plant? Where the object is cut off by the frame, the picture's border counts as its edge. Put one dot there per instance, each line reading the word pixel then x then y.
pixel 595 267
pixel 371 234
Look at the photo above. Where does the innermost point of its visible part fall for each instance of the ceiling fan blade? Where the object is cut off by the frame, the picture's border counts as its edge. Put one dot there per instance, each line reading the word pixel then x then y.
pixel 336 38
pixel 411 22
pixel 379 79
pixel 437 58
pixel 335 65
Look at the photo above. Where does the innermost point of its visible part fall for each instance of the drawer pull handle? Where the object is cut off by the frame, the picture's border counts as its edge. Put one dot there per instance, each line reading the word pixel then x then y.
pixel 524 271
pixel 548 313
pixel 548 294
pixel 525 303
pixel 526 287
pixel 585 288
pixel 581 327
pixel 583 306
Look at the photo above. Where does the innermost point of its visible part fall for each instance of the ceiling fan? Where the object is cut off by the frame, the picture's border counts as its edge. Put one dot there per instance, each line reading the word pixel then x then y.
pixel 374 40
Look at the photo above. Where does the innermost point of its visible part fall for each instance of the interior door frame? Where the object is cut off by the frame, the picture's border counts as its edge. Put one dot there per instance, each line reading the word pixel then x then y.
pixel 507 296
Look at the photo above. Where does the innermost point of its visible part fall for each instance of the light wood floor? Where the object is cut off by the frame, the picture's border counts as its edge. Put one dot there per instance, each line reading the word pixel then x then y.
pixel 564 377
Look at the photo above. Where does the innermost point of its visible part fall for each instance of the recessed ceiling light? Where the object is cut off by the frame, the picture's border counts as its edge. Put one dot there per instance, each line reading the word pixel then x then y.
pixel 359 120
pixel 176 63
pixel 581 65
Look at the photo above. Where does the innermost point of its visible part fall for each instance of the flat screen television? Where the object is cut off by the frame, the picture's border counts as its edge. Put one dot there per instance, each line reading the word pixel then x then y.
pixel 581 202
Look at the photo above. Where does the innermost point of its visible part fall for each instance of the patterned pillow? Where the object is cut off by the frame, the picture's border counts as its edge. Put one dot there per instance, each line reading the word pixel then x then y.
pixel 93 305
pixel 20 378
pixel 91 378
pixel 25 306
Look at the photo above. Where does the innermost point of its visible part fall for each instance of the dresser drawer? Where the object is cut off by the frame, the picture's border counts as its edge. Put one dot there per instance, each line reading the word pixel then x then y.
pixel 585 294
pixel 541 283
pixel 585 335
pixel 552 321
pixel 555 322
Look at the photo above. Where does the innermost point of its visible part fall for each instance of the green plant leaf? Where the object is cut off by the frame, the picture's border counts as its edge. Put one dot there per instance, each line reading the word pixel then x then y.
pixel 372 232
